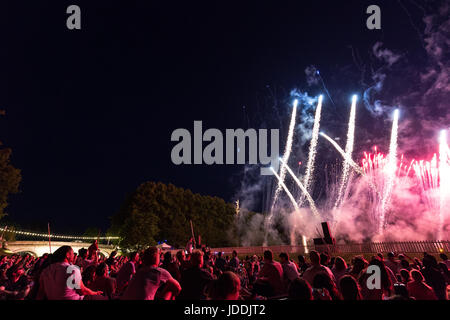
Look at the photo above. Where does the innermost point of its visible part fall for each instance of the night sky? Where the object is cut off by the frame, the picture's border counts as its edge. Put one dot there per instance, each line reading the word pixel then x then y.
pixel 90 112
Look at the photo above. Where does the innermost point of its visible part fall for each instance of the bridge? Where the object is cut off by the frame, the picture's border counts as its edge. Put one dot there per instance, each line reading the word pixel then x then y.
pixel 38 248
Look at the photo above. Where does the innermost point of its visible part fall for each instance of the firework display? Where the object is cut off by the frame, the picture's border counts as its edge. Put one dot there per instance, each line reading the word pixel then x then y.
pixel 376 197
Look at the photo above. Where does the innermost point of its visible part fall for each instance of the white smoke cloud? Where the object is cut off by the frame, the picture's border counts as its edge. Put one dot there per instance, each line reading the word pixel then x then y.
pixel 385 55
pixel 312 77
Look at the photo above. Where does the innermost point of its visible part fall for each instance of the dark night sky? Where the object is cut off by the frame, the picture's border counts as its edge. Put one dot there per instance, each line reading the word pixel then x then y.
pixel 89 113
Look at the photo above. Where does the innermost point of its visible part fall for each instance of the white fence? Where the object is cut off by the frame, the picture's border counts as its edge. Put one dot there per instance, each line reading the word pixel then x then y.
pixel 373 247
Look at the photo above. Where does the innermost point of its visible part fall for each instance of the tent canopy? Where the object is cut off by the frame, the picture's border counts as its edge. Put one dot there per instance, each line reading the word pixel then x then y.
pixel 164 246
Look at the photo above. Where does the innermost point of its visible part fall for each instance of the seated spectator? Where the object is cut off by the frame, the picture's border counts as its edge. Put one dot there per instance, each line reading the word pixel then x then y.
pixel 127 271
pixel 17 287
pixel 322 280
pixel 339 269
pixel 3 261
pixel 92 256
pixel 81 259
pixel 290 272
pixel 256 264
pixel 42 263
pixel 149 278
pixel 182 262
pixel 234 262
pixel 392 263
pixel 316 268
pixel 386 282
pixel 434 277
pixel 404 264
pixel 103 282
pixel 302 264
pixel 171 266
pixel 324 259
pixel 400 292
pixel 405 276
pixel 358 265
pixel 220 262
pixel 114 268
pixel 269 281
pixel 226 287
pixel 53 279
pixel 443 267
pixel 88 275
pixel 445 260
pixel 299 289
pixel 249 266
pixel 112 258
pixel 418 289
pixel 331 263
pixel 195 279
pixel 349 288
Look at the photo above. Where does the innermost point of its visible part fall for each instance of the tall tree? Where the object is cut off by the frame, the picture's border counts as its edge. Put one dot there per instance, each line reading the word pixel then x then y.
pixel 156 212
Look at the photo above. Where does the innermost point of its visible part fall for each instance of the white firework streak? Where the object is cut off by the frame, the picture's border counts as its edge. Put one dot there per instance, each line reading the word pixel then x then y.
pixel 390 173
pixel 444 179
pixel 348 151
pixel 303 188
pixel 312 149
pixel 287 153
pixel 344 155
pixel 294 203
pixel 357 168
pixel 283 186
pixel 305 244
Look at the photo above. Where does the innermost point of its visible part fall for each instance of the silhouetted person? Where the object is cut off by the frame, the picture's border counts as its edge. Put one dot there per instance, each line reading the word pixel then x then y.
pixel 434 277
pixel 234 262
pixel 195 279
pixel 315 268
pixel 299 289
pixel 418 289
pixel 349 288
pixel 149 278
pixel 226 287
pixel 270 279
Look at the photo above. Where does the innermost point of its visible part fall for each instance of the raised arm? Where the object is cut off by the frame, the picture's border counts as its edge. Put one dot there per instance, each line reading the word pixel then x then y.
pixel 171 289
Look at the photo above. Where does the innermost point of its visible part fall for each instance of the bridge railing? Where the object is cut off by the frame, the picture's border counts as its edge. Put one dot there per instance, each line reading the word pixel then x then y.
pixel 374 247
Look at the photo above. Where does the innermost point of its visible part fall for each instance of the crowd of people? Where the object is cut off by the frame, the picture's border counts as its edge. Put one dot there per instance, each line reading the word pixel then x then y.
pixel 204 275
